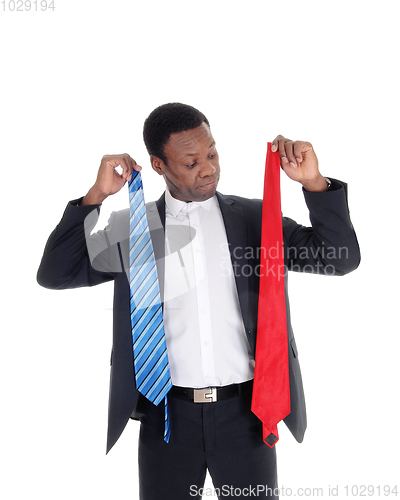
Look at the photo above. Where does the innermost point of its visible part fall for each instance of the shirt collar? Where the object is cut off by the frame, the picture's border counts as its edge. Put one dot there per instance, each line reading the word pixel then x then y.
pixel 176 206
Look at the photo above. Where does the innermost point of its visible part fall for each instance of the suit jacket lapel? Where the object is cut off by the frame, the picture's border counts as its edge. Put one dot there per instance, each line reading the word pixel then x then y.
pixel 236 232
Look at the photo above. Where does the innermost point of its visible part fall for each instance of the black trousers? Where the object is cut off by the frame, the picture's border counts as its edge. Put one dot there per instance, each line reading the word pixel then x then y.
pixel 224 437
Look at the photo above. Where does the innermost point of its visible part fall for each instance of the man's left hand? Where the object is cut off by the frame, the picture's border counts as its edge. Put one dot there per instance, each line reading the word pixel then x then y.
pixel 300 163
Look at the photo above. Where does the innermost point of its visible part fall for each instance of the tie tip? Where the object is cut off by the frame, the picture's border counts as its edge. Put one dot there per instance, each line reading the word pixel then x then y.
pixel 271 439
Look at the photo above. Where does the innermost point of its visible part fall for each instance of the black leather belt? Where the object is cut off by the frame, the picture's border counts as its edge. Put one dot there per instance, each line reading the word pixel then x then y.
pixel 211 394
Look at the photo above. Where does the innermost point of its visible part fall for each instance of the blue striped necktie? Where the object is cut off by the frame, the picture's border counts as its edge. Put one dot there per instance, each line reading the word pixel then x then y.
pixel 153 378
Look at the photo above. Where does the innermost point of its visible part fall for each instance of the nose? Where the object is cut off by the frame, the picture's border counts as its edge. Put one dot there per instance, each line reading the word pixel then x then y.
pixel 207 169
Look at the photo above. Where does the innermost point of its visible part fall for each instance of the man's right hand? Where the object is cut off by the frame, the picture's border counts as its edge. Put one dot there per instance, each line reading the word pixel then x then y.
pixel 109 181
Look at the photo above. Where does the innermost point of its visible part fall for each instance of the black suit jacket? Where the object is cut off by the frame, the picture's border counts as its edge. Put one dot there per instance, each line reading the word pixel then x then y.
pixel 74 258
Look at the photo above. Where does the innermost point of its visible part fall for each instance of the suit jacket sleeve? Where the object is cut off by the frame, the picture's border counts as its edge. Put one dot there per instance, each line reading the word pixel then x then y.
pixel 71 251
pixel 330 246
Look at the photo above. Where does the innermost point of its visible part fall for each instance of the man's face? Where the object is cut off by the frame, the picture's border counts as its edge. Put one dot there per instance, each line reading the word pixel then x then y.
pixel 192 172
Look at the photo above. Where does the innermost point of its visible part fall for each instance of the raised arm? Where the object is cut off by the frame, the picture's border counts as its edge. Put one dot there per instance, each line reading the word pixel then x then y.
pixel 70 249
pixel 330 247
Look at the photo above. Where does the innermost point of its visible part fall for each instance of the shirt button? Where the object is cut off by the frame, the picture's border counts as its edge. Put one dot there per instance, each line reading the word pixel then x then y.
pixel 206 344
pixel 203 311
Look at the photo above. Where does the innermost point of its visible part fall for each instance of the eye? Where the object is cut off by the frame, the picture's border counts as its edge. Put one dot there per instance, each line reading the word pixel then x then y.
pixel 192 165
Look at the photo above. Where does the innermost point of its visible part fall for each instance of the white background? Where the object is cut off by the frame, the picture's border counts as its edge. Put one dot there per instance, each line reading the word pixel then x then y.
pixel 77 83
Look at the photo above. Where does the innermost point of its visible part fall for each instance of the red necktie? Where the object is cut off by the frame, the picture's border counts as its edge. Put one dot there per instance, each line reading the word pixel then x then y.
pixel 271 394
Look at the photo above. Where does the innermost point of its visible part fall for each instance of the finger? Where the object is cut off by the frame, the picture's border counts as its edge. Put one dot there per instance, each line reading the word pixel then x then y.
pixel 130 165
pixel 134 166
pixel 289 148
pixel 110 161
pixel 126 168
pixel 297 150
pixel 282 150
pixel 274 143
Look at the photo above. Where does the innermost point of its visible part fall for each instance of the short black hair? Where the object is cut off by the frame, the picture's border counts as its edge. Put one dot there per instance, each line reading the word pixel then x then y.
pixel 168 119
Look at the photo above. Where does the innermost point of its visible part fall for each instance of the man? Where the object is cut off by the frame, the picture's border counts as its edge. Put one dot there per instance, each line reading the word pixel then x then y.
pixel 203 241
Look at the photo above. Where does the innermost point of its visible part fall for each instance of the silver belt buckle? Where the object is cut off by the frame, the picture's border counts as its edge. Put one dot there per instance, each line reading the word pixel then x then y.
pixel 207 395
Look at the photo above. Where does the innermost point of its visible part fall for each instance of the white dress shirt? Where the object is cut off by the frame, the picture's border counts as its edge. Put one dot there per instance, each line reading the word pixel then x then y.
pixel 206 340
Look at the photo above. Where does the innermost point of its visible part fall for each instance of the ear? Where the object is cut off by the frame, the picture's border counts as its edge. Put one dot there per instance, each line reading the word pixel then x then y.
pixel 157 164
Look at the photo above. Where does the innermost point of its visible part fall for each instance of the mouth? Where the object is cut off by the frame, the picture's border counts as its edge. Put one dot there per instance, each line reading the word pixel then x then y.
pixel 209 185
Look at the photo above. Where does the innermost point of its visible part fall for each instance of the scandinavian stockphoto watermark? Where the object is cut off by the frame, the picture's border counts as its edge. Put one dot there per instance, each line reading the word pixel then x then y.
pixel 264 491
pixel 27 6
pixel 320 251
pixel 318 259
